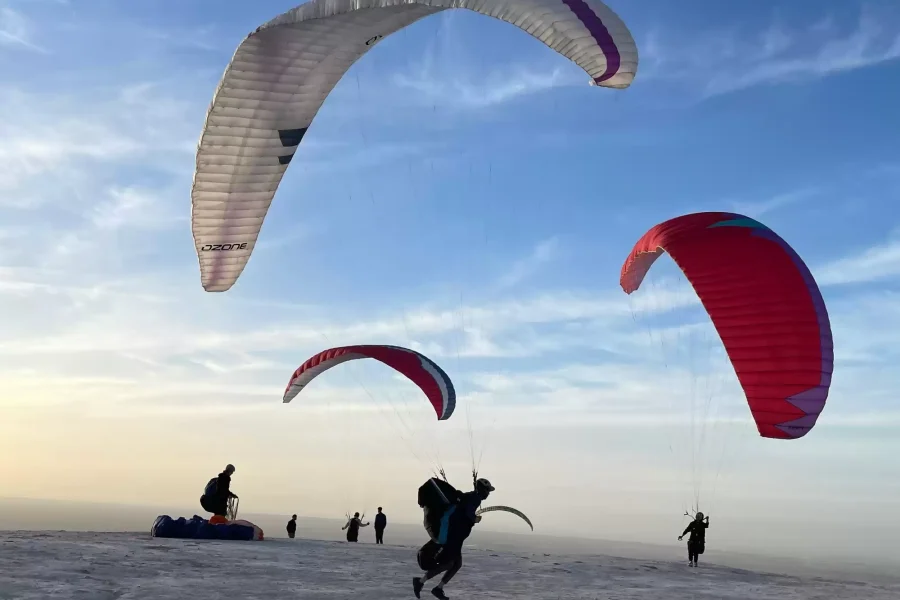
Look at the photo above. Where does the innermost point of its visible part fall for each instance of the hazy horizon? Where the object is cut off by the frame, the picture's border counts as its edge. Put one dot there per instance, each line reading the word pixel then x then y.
pixel 465 193
pixel 31 514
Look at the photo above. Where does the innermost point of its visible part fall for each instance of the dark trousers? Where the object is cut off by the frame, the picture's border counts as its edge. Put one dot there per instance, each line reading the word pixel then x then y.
pixel 215 505
pixel 447 558
pixel 695 549
pixel 450 564
pixel 379 536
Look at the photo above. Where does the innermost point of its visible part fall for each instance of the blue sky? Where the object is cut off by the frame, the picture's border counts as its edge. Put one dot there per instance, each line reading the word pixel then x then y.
pixel 466 192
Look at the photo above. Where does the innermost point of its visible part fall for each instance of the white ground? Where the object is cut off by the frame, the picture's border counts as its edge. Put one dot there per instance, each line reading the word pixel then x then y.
pixel 121 566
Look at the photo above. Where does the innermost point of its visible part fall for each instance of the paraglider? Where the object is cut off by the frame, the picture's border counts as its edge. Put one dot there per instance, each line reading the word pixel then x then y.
pixel 418 368
pixel 443 552
pixel 764 304
pixel 508 509
pixel 352 527
pixel 217 495
pixel 283 72
pixel 697 542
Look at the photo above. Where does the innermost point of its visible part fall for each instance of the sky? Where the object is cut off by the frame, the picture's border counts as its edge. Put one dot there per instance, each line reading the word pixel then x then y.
pixel 464 192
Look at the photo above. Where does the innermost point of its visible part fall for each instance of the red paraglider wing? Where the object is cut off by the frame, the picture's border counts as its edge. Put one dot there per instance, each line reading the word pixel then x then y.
pixel 418 368
pixel 764 304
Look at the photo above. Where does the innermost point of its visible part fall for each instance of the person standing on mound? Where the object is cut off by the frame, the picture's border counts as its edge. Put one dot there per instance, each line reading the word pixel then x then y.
pixel 697 542
pixel 352 528
pixel 292 527
pixel 217 493
pixel 380 524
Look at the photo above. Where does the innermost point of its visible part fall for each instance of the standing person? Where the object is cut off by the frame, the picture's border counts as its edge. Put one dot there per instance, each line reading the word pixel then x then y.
pixel 380 524
pixel 447 558
pixel 697 542
pixel 217 493
pixel 292 526
pixel 352 528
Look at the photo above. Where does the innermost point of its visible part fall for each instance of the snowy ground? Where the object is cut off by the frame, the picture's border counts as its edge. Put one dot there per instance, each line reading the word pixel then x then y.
pixel 107 566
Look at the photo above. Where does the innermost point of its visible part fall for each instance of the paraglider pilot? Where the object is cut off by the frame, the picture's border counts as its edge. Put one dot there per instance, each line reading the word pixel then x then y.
pixel 353 526
pixel 217 493
pixel 697 542
pixel 447 558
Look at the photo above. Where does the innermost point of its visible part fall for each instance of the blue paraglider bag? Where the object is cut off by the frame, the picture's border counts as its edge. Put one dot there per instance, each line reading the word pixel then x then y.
pixel 438 499
pixel 200 529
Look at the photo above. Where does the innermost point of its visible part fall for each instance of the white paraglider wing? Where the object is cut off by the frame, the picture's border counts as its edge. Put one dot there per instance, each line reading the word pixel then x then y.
pixel 508 509
pixel 282 73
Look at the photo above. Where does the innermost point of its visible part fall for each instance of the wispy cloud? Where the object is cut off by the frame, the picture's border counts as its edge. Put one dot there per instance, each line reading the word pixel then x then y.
pixel 542 254
pixel 174 354
pixel 469 93
pixel 724 61
pixel 759 208
pixel 447 75
pixel 135 207
pixel 872 264
pixel 47 139
pixel 16 30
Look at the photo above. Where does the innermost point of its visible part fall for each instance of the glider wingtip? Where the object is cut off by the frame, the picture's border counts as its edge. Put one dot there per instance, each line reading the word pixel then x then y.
pixel 216 289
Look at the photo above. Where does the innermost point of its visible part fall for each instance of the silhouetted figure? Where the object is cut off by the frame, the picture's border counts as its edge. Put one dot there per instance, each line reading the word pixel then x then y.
pixel 380 524
pixel 697 542
pixel 217 492
pixel 447 558
pixel 292 526
pixel 353 526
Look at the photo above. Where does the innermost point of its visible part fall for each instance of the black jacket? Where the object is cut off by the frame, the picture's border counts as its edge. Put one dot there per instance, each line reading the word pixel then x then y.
pixel 380 521
pixel 292 526
pixel 463 518
pixel 223 485
pixel 353 526
pixel 697 530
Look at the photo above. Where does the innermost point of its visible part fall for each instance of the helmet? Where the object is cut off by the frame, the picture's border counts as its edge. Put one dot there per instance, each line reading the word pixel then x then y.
pixel 229 468
pixel 483 484
pixel 699 515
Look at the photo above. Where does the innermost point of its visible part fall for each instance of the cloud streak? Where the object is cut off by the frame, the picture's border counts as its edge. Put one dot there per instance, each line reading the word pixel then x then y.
pixel 446 77
pixel 49 138
pixel 467 93
pixel 723 62
pixel 877 263
pixel 16 30
pixel 543 253
pixel 165 333
pixel 757 209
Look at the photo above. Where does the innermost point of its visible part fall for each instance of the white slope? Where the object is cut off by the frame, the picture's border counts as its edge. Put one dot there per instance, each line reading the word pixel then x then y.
pixel 108 566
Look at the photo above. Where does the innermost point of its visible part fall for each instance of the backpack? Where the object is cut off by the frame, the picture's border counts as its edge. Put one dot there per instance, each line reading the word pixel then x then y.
pixel 428 555
pixel 211 488
pixel 436 498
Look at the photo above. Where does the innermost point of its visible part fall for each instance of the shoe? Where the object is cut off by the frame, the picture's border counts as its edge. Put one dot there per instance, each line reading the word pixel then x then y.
pixel 439 594
pixel 417 586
